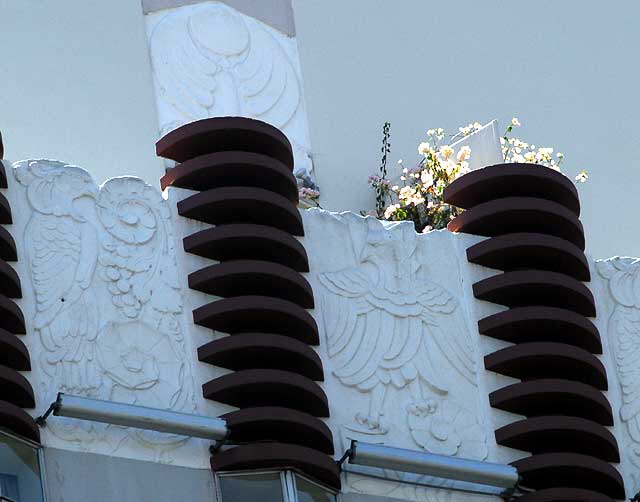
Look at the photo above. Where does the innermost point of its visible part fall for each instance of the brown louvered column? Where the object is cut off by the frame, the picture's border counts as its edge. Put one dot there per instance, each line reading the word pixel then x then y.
pixel 242 171
pixel 530 214
pixel 16 393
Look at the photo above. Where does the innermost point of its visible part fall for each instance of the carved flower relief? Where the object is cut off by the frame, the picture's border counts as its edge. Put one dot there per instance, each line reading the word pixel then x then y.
pixel 444 427
pixel 126 209
pixel 140 362
pixel 131 222
pixel 140 366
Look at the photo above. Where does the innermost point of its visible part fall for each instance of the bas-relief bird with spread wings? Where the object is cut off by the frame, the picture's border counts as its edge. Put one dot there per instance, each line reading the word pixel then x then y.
pixel 385 320
pixel 62 246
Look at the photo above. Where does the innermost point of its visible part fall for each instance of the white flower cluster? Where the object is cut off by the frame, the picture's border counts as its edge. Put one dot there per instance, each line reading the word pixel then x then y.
pixel 518 151
pixel 470 128
pixel 515 150
pixel 308 194
pixel 582 176
pixel 419 195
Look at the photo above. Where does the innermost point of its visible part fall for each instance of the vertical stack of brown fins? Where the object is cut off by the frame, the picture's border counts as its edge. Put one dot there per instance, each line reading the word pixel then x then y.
pixel 531 215
pixel 16 392
pixel 242 171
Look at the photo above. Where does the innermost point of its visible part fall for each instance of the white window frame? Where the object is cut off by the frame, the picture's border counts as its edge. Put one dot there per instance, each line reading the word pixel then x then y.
pixel 294 473
pixel 287 482
pixel 39 455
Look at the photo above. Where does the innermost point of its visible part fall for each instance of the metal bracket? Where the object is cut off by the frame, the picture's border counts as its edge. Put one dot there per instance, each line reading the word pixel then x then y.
pixel 344 458
pixel 54 407
pixel 215 447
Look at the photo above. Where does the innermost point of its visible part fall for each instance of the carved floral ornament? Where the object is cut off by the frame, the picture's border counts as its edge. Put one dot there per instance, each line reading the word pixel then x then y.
pixel 107 305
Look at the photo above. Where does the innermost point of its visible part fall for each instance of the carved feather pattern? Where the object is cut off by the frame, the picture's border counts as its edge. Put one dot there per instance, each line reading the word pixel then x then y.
pixel 388 337
pixel 385 320
pixel 623 276
pixel 62 251
pixel 210 61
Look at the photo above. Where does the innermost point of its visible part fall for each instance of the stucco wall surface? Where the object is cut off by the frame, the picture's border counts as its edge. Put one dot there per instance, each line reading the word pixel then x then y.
pixel 76 85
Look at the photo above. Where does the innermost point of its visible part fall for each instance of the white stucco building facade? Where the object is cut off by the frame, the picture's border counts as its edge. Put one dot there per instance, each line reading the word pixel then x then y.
pixel 106 277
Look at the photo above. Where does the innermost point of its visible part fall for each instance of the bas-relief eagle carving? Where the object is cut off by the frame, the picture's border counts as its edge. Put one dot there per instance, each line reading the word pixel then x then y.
pixel 106 292
pixel 209 61
pixel 384 321
pixel 623 276
pixel 63 250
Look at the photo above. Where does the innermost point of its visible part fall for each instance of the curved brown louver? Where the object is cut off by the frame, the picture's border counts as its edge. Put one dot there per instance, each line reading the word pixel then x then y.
pixel 535 360
pixel 268 351
pixel 248 242
pixel 529 250
pixel 243 314
pixel 269 455
pixel 542 324
pixel 522 288
pixel 557 470
pixel 553 395
pixel 242 170
pixel 250 424
pixel 565 495
pixel 16 392
pixel 530 214
pixel 221 206
pixel 13 353
pixel 228 169
pixel 5 210
pixel 513 180
pixel 268 387
pixel 550 434
pixel 252 277
pixel 520 214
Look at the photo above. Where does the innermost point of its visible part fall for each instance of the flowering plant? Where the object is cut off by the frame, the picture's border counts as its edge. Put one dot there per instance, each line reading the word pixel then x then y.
pixel 418 196
pixel 309 197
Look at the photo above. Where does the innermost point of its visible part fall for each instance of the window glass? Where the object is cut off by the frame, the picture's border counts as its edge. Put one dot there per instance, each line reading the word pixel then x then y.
pixel 251 488
pixel 19 471
pixel 310 492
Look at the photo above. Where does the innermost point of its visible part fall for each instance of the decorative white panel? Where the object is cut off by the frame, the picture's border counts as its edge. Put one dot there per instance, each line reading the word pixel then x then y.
pixel 210 60
pixel 103 305
pixel 400 350
pixel 617 289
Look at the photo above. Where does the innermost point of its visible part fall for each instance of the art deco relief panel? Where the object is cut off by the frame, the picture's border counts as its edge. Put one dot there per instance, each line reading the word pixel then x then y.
pixel 108 314
pixel 401 353
pixel 210 60
pixel 617 288
pixel 103 305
